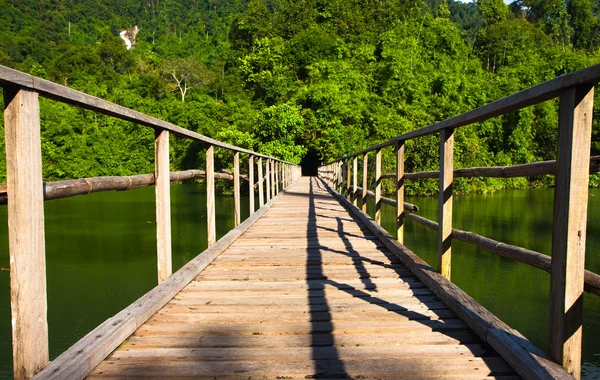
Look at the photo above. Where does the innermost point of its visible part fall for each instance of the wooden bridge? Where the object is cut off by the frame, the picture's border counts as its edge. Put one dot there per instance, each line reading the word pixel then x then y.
pixel 309 286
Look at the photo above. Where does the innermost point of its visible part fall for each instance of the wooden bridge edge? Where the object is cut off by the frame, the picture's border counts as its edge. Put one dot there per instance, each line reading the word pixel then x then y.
pixel 85 355
pixel 527 360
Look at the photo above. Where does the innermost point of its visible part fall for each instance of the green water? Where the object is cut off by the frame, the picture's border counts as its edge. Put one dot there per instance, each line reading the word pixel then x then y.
pixel 101 256
pixel 517 293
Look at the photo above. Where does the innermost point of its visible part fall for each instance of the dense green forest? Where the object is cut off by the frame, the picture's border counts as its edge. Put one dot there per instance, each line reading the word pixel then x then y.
pixel 284 77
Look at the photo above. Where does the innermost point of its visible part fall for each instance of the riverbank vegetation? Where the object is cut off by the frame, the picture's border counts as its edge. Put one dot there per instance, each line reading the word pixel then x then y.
pixel 284 77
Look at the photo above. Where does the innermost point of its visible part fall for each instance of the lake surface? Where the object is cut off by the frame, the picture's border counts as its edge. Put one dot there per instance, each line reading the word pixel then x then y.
pixel 101 256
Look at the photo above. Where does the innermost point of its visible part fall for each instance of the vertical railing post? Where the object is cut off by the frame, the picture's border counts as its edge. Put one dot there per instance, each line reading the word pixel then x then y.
pixel 365 181
pixel 378 186
pixel 268 179
pixel 251 183
pixel 26 231
pixel 236 189
pixel 569 227
pixel 163 205
pixel 277 177
pixel 348 180
pixel 272 187
pixel 283 175
pixel 400 191
pixel 261 179
pixel 354 179
pixel 445 202
pixel 210 196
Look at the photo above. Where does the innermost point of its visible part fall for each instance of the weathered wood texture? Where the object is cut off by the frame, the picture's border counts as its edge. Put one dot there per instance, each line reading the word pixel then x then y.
pixel 10 77
pixel 365 182
pixel 569 227
pixel 211 222
pixel 26 232
pixel 378 186
pixel 83 186
pixel 526 256
pixel 81 358
pixel 524 170
pixel 355 181
pixel 268 179
pixel 163 206
pixel 251 184
pixel 236 189
pixel 400 191
pixel 529 361
pixel 261 181
pixel 445 202
pixel 304 293
pixel 525 98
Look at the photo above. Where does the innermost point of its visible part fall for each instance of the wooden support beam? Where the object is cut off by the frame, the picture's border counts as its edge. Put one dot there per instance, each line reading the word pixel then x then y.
pixel 163 205
pixel 210 196
pixel 445 202
pixel 349 179
pixel 354 180
pixel 268 178
pixel 378 186
pixel 365 181
pixel 273 193
pixel 26 232
pixel 277 168
pixel 251 183
pixel 236 189
pixel 283 175
pixel 400 191
pixel 261 179
pixel 569 227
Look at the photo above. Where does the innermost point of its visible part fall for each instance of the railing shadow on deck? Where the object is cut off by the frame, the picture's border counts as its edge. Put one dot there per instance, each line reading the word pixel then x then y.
pixel 317 289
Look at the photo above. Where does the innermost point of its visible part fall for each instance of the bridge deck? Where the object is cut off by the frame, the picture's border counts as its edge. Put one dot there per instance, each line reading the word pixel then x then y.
pixel 306 292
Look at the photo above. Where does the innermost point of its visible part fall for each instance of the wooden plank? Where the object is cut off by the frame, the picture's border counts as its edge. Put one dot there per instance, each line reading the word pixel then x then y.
pixel 365 181
pixel 261 179
pixel 302 340
pixel 569 227
pixel 236 189
pixel 163 205
pixel 378 186
pixel 348 180
pixel 524 357
pixel 210 196
pixel 26 231
pixel 445 202
pixel 273 182
pixel 251 183
pixel 400 192
pixel 466 368
pixel 81 358
pixel 277 169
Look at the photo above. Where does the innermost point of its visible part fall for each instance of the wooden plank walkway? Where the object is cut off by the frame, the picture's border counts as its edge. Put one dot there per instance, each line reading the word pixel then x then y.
pixel 306 292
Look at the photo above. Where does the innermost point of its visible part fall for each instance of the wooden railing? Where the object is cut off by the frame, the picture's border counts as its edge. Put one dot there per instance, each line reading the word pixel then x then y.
pixel 25 193
pixel 568 274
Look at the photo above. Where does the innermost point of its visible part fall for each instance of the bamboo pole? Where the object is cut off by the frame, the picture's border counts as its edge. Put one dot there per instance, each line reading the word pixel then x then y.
pixel 163 206
pixel 26 232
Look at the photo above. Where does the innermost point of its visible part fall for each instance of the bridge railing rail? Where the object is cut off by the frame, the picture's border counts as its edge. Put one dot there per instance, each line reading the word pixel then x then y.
pixel 572 167
pixel 25 192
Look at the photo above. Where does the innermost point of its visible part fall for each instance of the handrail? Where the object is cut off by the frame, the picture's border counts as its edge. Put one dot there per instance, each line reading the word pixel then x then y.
pixel 25 192
pixel 10 77
pixel 572 168
pixel 525 98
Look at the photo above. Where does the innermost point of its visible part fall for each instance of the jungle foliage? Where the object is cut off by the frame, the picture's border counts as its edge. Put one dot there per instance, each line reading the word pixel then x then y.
pixel 287 76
